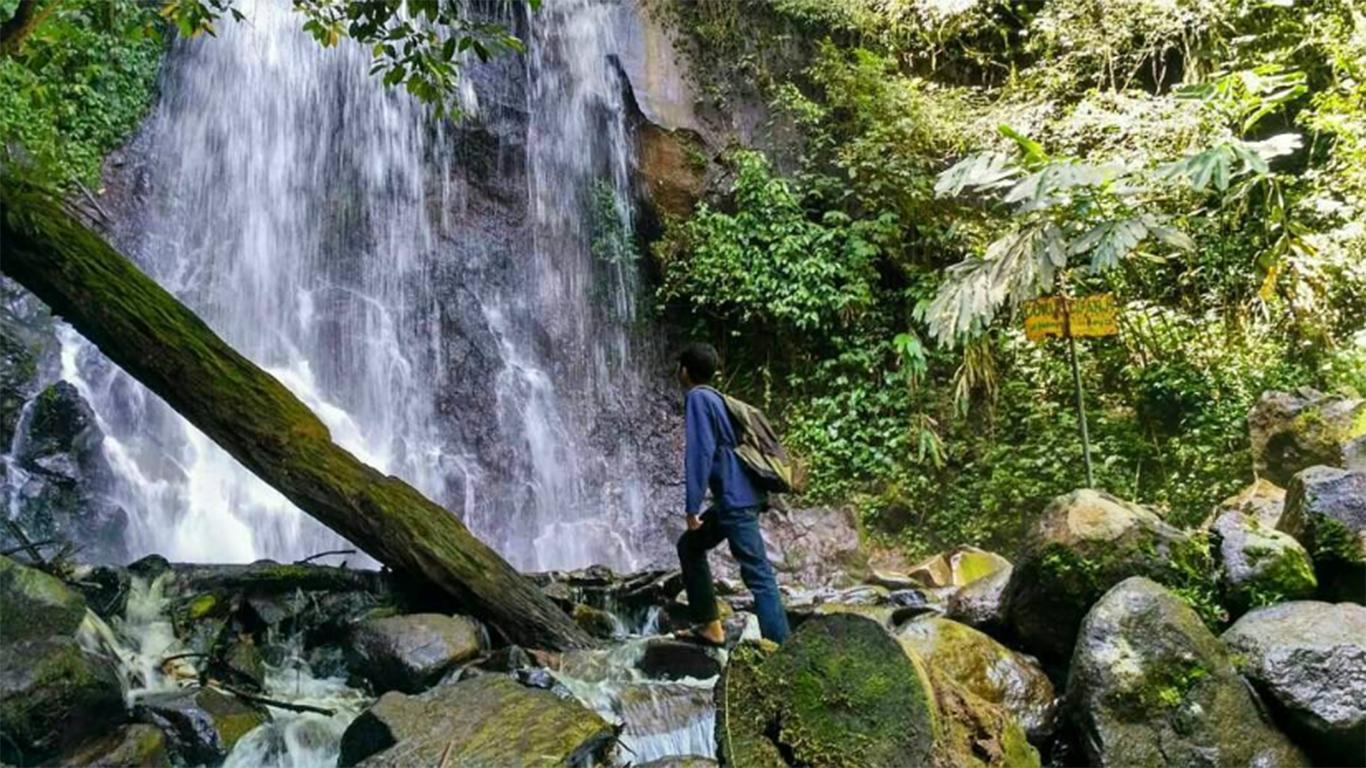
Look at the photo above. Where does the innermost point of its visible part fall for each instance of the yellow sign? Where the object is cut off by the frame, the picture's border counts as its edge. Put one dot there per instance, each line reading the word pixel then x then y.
pixel 1089 315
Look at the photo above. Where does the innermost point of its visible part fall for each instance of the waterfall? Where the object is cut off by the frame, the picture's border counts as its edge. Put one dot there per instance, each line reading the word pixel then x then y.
pixel 456 300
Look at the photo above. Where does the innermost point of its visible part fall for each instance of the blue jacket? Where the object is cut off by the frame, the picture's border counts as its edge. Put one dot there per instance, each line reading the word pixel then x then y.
pixel 710 460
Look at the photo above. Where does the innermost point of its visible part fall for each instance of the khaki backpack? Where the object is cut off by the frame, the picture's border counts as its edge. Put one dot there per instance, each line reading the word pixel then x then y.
pixel 759 449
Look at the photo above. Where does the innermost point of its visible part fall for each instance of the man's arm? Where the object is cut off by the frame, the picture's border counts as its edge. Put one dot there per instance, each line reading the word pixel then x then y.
pixel 699 452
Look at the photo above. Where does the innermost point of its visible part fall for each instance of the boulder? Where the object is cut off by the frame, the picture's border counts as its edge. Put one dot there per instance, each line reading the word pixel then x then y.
pixel 133 746
pixel 976 733
pixel 1150 685
pixel 981 603
pixel 1260 565
pixel 411 652
pixel 1294 431
pixel 53 694
pixel 957 567
pixel 487 720
pixel 1263 501
pixel 986 669
pixel 1084 543
pixel 1325 510
pixel 811 547
pixel 1309 658
pixel 664 659
pixel 596 621
pixel 202 725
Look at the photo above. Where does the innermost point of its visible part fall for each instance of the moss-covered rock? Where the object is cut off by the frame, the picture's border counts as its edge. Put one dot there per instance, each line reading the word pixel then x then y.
pixel 975 733
pixel 411 652
pixel 134 746
pixel 1310 659
pixel 1292 432
pixel 1151 685
pixel 1260 565
pixel 957 567
pixel 1325 510
pixel 595 621
pixel 488 720
pixel 202 725
pixel 747 707
pixel 35 605
pixel 986 669
pixel 1086 542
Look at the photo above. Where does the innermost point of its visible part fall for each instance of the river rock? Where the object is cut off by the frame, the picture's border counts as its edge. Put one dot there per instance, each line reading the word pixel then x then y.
pixel 488 720
pixel 1325 509
pixel 202 725
pixel 409 653
pixel 1260 565
pixel 133 746
pixel 981 603
pixel 987 669
pixel 1151 685
pixel 1084 543
pixel 810 547
pixel 957 567
pixel 1294 431
pixel 675 660
pixel 1310 659
pixel 1262 500
pixel 53 694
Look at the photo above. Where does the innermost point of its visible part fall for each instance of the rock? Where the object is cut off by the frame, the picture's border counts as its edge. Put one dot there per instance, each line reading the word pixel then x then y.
pixel 1292 432
pixel 411 652
pixel 1263 501
pixel 957 567
pixel 673 166
pixel 987 669
pixel 810 547
pixel 243 666
pixel 597 622
pixel 488 720
pixel 981 604
pixel 1325 510
pixel 133 746
pixel 676 660
pixel 1310 659
pixel 659 718
pixel 1150 685
pixel 976 732
pixel 690 761
pixel 1260 565
pixel 840 692
pixel 202 725
pixel 53 694
pixel 1086 542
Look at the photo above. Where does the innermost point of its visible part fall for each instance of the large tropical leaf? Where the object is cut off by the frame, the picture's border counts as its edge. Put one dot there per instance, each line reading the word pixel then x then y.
pixel 981 172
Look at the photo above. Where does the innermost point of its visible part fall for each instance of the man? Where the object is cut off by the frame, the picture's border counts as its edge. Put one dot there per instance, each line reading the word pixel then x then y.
pixel 711 463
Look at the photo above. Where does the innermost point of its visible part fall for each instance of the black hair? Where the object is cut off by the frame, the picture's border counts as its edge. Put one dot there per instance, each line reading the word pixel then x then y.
pixel 700 360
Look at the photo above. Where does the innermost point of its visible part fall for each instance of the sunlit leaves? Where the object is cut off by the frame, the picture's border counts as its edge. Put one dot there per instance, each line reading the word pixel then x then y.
pixel 1217 166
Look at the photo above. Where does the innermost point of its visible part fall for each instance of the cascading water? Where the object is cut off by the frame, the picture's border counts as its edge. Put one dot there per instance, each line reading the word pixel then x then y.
pixel 455 301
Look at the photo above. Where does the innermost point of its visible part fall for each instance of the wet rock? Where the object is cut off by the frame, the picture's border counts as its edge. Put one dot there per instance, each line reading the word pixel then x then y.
pixel 1294 431
pixel 987 669
pixel 981 604
pixel 1260 565
pixel 690 761
pixel 489 720
pixel 202 725
pixel 53 694
pixel 1262 501
pixel 411 652
pixel 1086 542
pixel 910 603
pixel 1150 685
pixel 811 547
pixel 675 660
pixel 840 692
pixel 1325 510
pixel 133 746
pixel 658 717
pixel 1310 659
pixel 596 622
pixel 243 666
pixel 957 567
pixel 28 352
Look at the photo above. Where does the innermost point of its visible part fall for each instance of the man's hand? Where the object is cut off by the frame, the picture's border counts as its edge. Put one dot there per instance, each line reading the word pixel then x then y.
pixel 694 522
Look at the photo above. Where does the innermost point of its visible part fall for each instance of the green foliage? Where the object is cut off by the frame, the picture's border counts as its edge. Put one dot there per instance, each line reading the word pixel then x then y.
pixel 78 86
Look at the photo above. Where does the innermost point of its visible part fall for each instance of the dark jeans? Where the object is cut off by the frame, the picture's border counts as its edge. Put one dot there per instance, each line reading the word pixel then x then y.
pixel 740 527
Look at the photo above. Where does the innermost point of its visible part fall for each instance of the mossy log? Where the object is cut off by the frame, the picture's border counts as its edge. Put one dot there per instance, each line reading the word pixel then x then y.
pixel 164 345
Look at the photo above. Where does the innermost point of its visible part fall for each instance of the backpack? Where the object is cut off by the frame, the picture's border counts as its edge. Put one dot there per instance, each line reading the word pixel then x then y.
pixel 759 449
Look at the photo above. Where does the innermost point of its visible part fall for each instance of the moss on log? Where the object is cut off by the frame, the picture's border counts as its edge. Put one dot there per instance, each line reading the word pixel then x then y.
pixel 161 343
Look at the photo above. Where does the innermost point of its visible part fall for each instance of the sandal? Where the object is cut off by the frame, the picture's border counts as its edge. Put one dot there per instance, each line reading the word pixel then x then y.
pixel 694 635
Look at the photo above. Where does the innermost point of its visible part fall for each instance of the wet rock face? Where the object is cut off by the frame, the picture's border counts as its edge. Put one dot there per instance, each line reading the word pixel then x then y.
pixel 487 720
pixel 1260 565
pixel 1150 685
pixel 1310 659
pixel 202 726
pixel 1294 431
pixel 1086 542
pixel 1325 510
pixel 52 693
pixel 28 354
pixel 410 653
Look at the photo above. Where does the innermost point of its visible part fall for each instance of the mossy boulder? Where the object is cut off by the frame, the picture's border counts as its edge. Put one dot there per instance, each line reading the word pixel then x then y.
pixel 957 567
pixel 976 733
pixel 986 669
pixel 410 653
pixel 202 725
pixel 981 604
pixel 489 720
pixel 1309 658
pixel 1151 685
pixel 35 605
pixel 137 745
pixel 1294 431
pixel 1084 543
pixel 1260 565
pixel 1325 510
pixel 596 621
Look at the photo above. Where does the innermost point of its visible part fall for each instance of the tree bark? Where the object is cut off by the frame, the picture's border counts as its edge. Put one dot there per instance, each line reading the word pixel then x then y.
pixel 161 343
pixel 18 27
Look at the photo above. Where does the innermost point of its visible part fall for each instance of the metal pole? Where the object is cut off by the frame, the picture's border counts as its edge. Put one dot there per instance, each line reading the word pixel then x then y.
pixel 1076 382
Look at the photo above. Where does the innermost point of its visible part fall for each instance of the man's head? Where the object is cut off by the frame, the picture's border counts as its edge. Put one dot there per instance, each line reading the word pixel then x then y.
pixel 697 364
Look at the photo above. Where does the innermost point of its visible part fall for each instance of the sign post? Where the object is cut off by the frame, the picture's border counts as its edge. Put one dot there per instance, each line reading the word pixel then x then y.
pixel 1067 317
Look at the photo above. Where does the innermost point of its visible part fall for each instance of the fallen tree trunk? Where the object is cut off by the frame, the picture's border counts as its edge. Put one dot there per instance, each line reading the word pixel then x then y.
pixel 164 345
